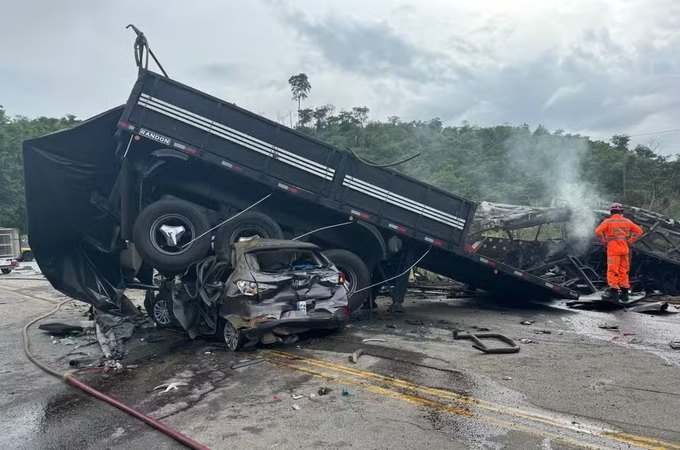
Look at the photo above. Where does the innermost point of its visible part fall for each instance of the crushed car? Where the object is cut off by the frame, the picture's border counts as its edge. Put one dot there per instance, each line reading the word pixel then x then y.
pixel 267 291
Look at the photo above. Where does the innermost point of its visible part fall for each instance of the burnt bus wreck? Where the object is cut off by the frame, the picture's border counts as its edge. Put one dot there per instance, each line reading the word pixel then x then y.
pixel 512 234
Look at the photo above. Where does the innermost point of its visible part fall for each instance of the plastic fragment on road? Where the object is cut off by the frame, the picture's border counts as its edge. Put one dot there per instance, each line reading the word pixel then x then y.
pixel 527 322
pixel 296 397
pixel 345 392
pixel 607 326
pixel 324 390
pixel 354 357
pixel 296 407
pixel 373 340
pixel 507 378
pixel 171 386
pixel 675 345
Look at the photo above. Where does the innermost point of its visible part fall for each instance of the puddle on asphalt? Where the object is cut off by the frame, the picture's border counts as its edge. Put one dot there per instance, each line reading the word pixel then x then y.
pixel 647 332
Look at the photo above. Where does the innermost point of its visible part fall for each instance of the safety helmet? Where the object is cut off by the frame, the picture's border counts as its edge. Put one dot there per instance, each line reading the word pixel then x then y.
pixel 616 208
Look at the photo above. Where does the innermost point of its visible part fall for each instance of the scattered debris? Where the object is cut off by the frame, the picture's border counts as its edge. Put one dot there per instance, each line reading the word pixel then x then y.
pixel 512 347
pixel 542 332
pixel 507 378
pixel 276 398
pixel 67 341
pixel 373 340
pixel 475 327
pixel 675 345
pixel 82 362
pixel 171 386
pixel 345 392
pixel 606 326
pixel 324 390
pixel 526 341
pixel 296 407
pixel 414 322
pixel 354 357
pixel 650 307
pixel 391 325
pixel 60 329
pixel 312 396
pixel 247 362
pixel 527 322
pixel 296 397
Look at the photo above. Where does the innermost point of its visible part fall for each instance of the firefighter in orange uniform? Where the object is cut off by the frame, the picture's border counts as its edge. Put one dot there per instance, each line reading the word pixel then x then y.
pixel 618 233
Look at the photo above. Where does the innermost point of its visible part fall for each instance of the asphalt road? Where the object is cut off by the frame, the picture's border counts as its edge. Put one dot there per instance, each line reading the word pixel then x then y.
pixel 578 386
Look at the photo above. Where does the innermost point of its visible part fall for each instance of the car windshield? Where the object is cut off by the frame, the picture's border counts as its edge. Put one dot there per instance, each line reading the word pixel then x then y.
pixel 285 260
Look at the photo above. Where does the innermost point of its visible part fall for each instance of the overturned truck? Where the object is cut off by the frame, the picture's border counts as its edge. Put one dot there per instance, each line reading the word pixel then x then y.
pixel 175 176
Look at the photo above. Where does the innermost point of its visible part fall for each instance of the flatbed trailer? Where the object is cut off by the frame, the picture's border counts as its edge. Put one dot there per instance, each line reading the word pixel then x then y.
pixel 327 181
pixel 93 188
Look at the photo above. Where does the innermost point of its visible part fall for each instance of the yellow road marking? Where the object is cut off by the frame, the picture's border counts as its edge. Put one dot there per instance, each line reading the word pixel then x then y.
pixel 612 435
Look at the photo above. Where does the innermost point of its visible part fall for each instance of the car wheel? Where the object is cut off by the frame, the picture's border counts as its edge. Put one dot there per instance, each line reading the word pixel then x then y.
pixel 357 275
pixel 166 235
pixel 232 337
pixel 6 271
pixel 249 225
pixel 161 312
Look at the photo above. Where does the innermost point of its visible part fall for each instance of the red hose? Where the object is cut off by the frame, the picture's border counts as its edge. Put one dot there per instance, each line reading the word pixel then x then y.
pixel 70 377
pixel 176 435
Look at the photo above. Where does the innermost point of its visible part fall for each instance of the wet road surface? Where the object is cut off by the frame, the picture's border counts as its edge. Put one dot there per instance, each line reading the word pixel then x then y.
pixel 578 386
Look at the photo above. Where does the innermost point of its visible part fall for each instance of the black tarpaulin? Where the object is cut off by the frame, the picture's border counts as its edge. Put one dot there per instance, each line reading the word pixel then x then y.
pixel 74 242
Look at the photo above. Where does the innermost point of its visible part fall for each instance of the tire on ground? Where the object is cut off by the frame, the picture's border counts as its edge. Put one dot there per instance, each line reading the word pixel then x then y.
pixel 356 273
pixel 250 223
pixel 157 252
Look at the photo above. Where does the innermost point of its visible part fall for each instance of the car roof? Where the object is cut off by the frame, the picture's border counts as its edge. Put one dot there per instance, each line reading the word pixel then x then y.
pixel 272 244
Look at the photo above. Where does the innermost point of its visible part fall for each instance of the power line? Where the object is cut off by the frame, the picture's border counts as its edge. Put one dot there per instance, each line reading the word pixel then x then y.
pixel 655 132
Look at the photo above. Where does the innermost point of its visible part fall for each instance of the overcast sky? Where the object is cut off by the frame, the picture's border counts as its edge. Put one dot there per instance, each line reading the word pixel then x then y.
pixel 591 67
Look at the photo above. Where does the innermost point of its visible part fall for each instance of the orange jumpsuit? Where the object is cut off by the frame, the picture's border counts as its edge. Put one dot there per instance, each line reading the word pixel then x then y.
pixel 617 233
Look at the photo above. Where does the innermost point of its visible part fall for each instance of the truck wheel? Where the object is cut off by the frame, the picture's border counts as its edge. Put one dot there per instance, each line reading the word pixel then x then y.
pixel 356 273
pixel 164 234
pixel 6 271
pixel 250 224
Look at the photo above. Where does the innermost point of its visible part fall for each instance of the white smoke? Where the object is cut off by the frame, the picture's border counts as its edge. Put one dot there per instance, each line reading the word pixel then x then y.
pixel 557 160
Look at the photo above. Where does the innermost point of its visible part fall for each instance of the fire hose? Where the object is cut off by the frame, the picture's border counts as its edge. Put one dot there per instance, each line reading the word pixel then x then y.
pixel 71 378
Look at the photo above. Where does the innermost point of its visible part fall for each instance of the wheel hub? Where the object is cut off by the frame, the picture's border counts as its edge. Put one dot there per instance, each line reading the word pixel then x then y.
pixel 172 234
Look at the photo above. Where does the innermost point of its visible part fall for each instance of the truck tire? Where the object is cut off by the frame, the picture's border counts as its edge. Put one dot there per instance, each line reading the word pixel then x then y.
pixel 356 273
pixel 163 235
pixel 248 224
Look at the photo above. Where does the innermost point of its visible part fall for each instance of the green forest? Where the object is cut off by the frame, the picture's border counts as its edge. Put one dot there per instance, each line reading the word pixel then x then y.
pixel 504 163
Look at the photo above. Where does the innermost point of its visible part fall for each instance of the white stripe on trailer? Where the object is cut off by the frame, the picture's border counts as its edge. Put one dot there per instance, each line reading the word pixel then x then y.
pixel 236 136
pixel 518 273
pixel 384 195
pixel 408 201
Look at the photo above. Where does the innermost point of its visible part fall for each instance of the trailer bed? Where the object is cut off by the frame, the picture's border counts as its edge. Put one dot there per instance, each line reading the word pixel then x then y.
pixel 248 145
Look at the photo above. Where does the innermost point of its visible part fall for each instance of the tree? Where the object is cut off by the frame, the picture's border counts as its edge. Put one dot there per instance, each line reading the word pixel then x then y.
pixel 299 87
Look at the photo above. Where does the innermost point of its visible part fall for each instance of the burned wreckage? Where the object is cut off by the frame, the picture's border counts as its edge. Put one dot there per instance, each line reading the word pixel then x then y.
pixel 174 178
pixel 558 244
